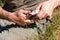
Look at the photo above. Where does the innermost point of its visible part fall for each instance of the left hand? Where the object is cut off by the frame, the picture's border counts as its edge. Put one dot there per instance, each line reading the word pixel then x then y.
pixel 20 17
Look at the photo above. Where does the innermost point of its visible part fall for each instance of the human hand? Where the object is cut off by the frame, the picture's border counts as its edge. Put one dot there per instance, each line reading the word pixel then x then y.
pixel 20 17
pixel 46 9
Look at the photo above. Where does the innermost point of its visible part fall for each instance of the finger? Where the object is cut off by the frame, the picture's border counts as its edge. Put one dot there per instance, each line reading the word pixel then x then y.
pixel 43 15
pixel 22 16
pixel 19 21
pixel 22 24
pixel 29 21
pixel 40 15
pixel 25 11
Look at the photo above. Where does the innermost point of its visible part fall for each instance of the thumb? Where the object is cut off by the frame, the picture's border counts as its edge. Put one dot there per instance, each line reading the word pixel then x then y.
pixel 29 21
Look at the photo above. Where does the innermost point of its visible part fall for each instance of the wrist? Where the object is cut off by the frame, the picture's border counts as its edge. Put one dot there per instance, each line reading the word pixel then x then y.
pixel 4 14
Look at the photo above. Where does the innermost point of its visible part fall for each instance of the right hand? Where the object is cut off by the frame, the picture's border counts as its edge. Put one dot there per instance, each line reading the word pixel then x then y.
pixel 20 17
pixel 46 9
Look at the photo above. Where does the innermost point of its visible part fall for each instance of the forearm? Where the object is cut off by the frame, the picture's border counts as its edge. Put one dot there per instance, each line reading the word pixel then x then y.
pixel 56 2
pixel 3 14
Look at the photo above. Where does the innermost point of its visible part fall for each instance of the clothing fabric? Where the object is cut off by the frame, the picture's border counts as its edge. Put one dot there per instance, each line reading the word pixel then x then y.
pixel 12 31
pixel 14 5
